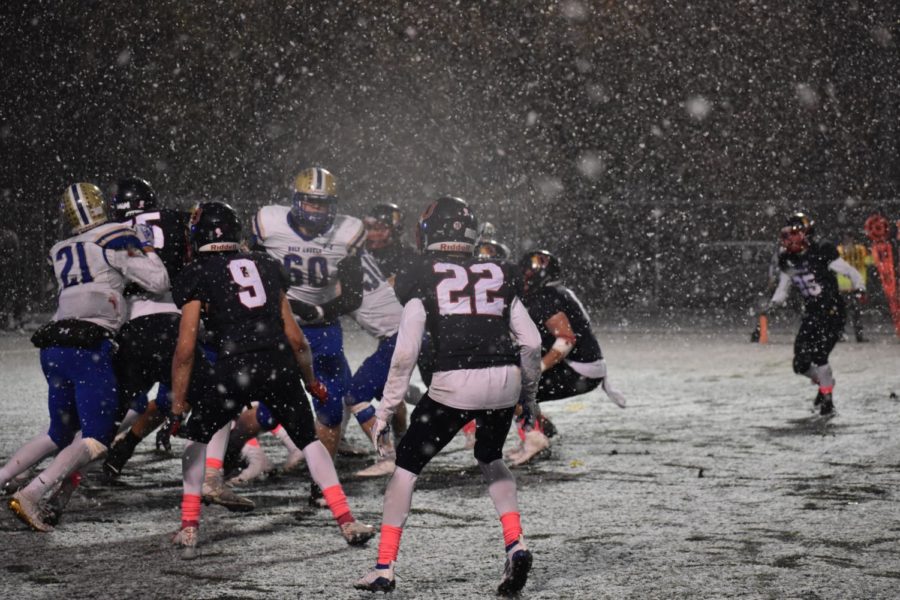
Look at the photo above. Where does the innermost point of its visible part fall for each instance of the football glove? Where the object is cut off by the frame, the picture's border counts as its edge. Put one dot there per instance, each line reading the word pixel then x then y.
pixel 318 391
pixel 380 432
pixel 144 234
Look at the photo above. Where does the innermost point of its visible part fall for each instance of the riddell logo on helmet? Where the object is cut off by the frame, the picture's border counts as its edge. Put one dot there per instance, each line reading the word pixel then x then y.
pixel 455 247
pixel 220 246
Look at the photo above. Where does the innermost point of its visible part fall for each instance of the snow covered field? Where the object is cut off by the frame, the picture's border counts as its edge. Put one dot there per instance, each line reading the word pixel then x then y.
pixel 715 482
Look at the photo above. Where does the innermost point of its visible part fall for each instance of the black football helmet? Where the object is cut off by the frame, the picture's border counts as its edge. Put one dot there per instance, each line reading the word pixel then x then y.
pixel 447 225
pixel 133 196
pixel 539 268
pixel 384 225
pixel 797 233
pixel 491 250
pixel 215 227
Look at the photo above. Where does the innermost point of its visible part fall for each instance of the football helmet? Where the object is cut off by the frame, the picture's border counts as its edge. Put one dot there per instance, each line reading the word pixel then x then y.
pixel 384 225
pixel 447 225
pixel 133 196
pixel 215 227
pixel 314 204
pixel 491 250
pixel 82 207
pixel 539 267
pixel 797 233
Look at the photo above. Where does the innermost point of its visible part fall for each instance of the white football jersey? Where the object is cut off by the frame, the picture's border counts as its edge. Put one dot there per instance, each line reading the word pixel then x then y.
pixel 312 263
pixel 92 269
pixel 380 311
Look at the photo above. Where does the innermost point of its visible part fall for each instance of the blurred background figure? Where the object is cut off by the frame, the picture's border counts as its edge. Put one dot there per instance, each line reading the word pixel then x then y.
pixel 12 303
pixel 860 259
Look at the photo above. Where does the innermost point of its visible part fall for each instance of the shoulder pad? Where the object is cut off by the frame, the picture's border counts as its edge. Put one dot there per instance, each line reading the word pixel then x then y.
pixel 349 231
pixel 116 237
pixel 267 218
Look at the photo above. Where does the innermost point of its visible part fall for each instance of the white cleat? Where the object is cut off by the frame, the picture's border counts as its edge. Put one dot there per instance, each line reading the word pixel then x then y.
pixel 258 465
pixel 356 533
pixel 382 467
pixel 293 462
pixel 186 540
pixel 535 443
pixel 378 579
pixel 215 491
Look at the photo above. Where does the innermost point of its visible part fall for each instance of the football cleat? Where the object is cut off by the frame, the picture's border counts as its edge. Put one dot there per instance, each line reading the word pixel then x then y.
pixel 515 570
pixel 356 533
pixel 825 404
pixel 535 443
pixel 258 465
pixel 186 541
pixel 379 579
pixel 215 491
pixel 293 462
pixel 316 498
pixel 29 512
pixel 383 466
pixel 119 454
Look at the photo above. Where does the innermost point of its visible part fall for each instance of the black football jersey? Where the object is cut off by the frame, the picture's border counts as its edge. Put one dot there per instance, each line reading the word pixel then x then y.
pixel 546 301
pixel 816 282
pixel 467 304
pixel 393 259
pixel 241 297
pixel 170 236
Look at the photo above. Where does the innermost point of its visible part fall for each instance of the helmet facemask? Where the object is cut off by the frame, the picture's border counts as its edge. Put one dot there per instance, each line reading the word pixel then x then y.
pixel 315 214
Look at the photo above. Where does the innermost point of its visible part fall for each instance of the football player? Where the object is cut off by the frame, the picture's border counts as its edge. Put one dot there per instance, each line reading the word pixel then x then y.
pixel 261 352
pixel 92 265
pixel 572 362
pixel 320 249
pixel 384 239
pixel 482 334
pixel 812 266
pixel 147 341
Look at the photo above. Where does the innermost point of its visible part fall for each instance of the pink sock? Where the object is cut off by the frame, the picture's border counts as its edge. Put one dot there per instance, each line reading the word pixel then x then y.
pixel 389 544
pixel 190 510
pixel 512 527
pixel 337 502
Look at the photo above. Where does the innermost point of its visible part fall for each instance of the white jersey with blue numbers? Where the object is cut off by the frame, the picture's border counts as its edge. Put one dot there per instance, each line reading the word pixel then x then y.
pixel 380 311
pixel 311 262
pixel 92 269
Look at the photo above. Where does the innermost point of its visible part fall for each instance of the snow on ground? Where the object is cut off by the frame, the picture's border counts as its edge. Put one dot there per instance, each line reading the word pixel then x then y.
pixel 715 482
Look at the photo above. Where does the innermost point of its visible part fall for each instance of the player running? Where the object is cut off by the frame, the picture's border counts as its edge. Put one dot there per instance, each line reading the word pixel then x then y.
pixel 811 266
pixel 481 334
pixel 92 267
pixel 261 355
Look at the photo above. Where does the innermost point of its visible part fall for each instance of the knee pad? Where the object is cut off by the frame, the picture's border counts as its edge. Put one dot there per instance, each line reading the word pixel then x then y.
pixel 265 418
pixel 95 448
pixel 802 364
pixel 331 414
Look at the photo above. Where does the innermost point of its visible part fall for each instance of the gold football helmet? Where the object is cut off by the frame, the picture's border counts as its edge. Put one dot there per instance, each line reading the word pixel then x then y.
pixel 314 204
pixel 82 207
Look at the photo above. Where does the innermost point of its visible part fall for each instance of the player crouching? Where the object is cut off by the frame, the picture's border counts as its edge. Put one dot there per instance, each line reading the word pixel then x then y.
pixel 260 352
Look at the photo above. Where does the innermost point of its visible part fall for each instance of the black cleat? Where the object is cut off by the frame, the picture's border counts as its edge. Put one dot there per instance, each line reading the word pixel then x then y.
pixel 515 572
pixel 119 455
pixel 825 404
pixel 316 498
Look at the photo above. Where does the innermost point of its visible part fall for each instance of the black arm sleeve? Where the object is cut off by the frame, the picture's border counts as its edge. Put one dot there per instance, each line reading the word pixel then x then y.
pixel 350 275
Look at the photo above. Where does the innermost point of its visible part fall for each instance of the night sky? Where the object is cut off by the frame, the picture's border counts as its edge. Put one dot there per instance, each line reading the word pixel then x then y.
pixel 654 146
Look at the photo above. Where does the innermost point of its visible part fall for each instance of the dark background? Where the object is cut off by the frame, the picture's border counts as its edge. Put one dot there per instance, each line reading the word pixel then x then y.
pixel 655 146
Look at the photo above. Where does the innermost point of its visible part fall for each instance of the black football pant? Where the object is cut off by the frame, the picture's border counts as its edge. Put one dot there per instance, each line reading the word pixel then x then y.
pixel 144 357
pixel 218 393
pixel 816 339
pixel 432 425
pixel 563 382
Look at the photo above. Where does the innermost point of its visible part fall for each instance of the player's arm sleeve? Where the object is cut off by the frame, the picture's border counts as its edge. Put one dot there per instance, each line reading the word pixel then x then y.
pixel 406 353
pixel 781 292
pixel 528 337
pixel 350 275
pixel 146 270
pixel 842 267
